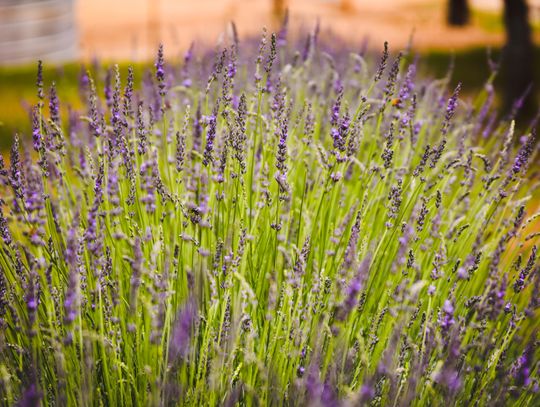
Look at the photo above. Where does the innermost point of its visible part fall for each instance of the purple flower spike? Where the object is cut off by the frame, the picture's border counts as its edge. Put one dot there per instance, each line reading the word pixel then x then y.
pixel 520 282
pixel 39 82
pixel 382 63
pixel 522 367
pixel 524 153
pixel 54 108
pixel 31 397
pixel 355 286
pixel 407 87
pixel 182 331
pixel 210 136
pixel 450 109
pixel 36 130
pixel 160 70
pixel 71 301
pixel 5 234
pixel 128 94
pixel 446 319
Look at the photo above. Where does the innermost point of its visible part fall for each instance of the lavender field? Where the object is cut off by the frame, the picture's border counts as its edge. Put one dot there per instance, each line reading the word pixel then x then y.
pixel 271 223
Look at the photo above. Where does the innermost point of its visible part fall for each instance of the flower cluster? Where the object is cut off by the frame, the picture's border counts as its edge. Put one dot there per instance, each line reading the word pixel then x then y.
pixel 269 224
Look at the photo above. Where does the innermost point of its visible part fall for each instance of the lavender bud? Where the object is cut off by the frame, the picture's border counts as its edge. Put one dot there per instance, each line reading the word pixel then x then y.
pixel 160 71
pixel 39 83
pixel 210 136
pixel 54 108
pixel 382 63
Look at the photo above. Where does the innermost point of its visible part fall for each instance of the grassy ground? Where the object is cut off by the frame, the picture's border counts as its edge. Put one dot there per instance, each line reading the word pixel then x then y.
pixel 18 92
pixel 18 84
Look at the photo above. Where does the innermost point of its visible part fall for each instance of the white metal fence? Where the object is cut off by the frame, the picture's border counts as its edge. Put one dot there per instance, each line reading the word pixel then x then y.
pixel 37 29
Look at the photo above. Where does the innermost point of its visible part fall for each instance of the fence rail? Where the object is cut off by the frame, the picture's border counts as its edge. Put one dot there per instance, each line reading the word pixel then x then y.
pixel 37 29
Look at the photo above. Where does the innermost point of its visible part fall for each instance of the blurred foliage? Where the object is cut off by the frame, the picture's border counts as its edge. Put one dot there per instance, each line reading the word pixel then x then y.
pixel 17 84
pixel 18 93
pixel 492 22
pixel 471 67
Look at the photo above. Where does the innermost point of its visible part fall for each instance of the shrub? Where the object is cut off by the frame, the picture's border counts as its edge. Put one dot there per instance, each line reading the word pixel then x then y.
pixel 287 227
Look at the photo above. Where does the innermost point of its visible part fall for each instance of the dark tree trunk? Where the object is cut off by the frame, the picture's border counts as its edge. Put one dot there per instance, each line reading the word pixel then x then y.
pixel 458 12
pixel 518 56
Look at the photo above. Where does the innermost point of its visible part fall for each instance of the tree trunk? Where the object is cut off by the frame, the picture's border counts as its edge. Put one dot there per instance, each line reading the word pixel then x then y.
pixel 278 8
pixel 518 56
pixel 458 12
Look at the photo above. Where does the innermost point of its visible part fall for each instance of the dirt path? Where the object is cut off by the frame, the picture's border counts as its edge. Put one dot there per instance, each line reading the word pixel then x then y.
pixel 123 29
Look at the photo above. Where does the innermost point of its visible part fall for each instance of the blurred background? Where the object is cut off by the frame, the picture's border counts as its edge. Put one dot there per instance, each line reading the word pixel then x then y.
pixel 66 33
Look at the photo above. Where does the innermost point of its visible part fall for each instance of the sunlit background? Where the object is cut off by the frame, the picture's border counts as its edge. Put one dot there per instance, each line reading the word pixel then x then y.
pixel 60 30
pixel 66 33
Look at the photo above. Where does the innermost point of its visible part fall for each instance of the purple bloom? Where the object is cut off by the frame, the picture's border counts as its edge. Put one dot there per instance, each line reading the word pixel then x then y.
pixel 391 82
pixel 5 234
pixel 350 251
pixel 395 199
pixel 520 282
pixel 382 63
pixel 450 110
pixel 128 94
pixel 97 124
pixel 72 300
pixel 239 136
pixel 311 42
pixel 39 82
pixel 446 318
pixel 188 56
pixel 32 297
pixel 449 378
pixel 182 331
pixel 147 173
pixel 107 90
pixel 522 368
pixel 301 262
pixel 269 63
pixel 524 154
pixel 281 157
pixel 354 288
pixel 54 108
pixel 408 85
pixel 340 126
pixel 197 129
pixel 37 138
pixel 91 234
pixel 16 175
pixel 31 396
pixel 160 70
pixel 4 175
pixel 136 273
pixel 423 161
pixel 367 392
pixel 210 136
pixel 141 130
pixel 388 154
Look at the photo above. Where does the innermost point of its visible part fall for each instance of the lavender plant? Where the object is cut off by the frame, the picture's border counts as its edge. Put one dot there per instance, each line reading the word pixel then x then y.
pixel 288 227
